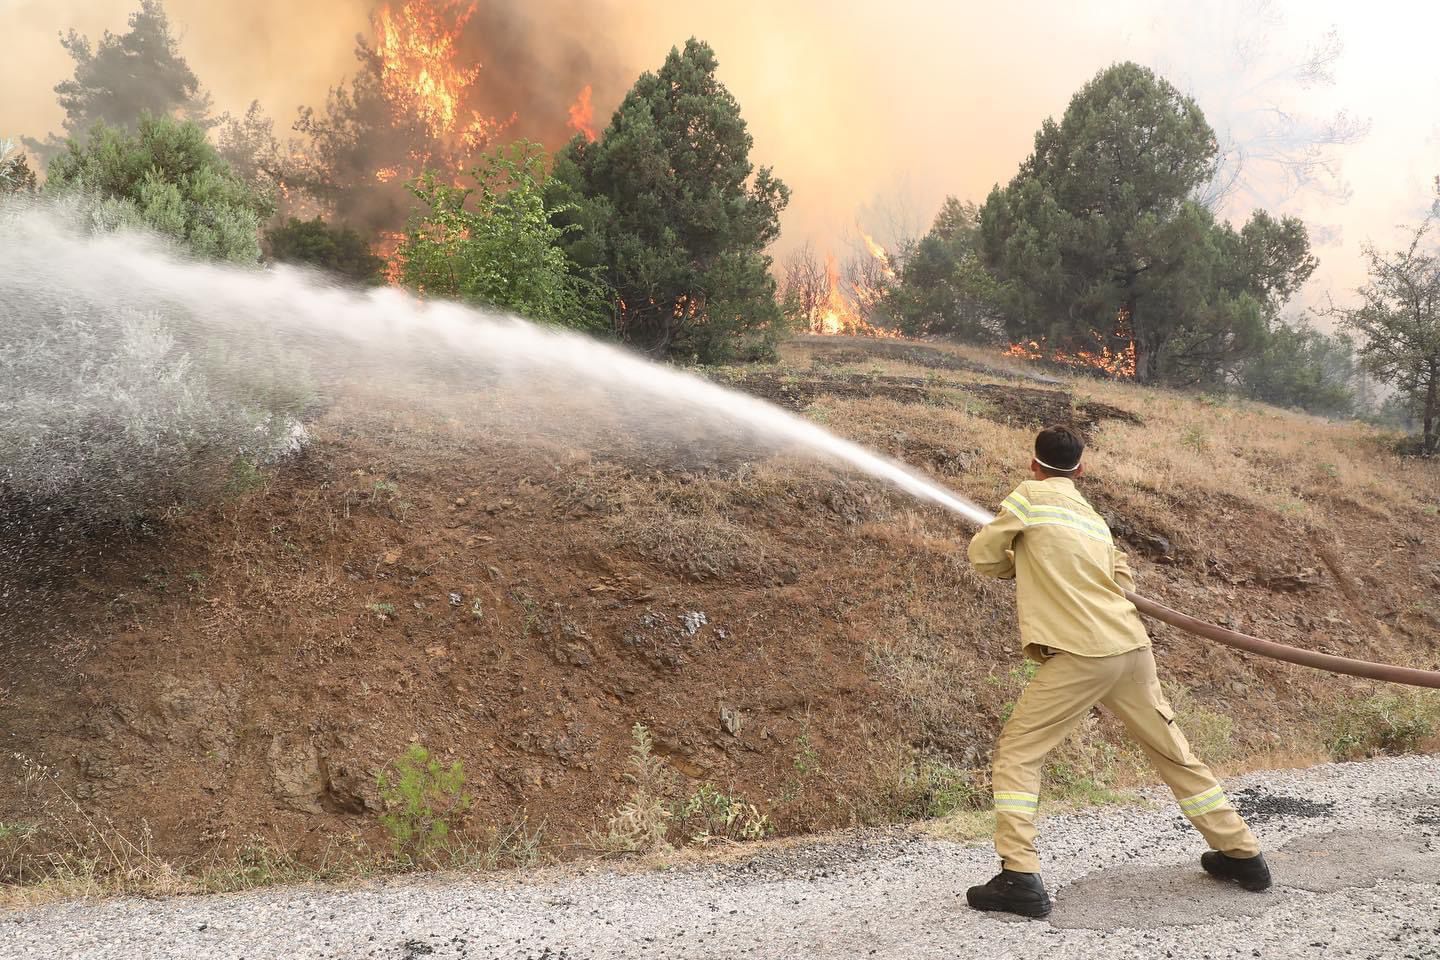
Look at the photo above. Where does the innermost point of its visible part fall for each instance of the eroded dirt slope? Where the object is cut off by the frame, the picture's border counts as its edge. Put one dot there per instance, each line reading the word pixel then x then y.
pixel 791 634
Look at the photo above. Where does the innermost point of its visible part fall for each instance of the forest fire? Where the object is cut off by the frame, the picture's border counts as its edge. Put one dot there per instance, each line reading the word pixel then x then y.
pixel 835 315
pixel 1115 363
pixel 582 115
pixel 881 256
pixel 386 248
pixel 416 44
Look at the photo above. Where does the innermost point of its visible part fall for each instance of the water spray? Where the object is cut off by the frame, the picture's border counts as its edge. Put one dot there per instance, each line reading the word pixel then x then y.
pixel 53 264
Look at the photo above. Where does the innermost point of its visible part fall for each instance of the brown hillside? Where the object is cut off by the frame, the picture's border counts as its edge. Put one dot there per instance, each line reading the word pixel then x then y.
pixel 519 604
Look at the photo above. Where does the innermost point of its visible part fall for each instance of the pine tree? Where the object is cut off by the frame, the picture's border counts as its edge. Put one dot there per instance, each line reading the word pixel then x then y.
pixel 126 76
pixel 674 214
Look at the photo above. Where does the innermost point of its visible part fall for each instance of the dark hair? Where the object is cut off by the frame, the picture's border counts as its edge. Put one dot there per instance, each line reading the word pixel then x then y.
pixel 1058 449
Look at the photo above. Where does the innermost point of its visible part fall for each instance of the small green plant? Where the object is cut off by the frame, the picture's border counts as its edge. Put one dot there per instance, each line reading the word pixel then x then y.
pixel 1195 438
pixel 516 845
pixel 532 623
pixel 642 821
pixel 245 476
pixel 14 841
pixel 158 580
pixel 385 490
pixel 385 611
pixel 817 413
pixel 927 789
pixel 1209 733
pixel 807 758
pixel 710 814
pixel 11 832
pixel 424 800
pixel 1383 722
pixel 978 407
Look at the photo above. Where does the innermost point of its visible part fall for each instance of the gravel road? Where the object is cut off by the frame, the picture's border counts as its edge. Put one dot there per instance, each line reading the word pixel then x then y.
pixel 1355 849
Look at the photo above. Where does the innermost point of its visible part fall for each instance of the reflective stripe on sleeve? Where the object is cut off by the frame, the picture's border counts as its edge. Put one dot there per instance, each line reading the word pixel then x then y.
pixel 1203 803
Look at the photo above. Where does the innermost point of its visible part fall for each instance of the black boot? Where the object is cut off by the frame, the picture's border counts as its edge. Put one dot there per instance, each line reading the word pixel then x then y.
pixel 1012 892
pixel 1250 872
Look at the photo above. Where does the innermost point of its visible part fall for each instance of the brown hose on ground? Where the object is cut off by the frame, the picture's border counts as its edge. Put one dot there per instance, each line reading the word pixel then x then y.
pixel 1279 651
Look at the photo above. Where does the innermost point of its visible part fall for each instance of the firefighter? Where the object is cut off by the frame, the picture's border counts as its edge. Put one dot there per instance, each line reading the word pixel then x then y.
pixel 1091 648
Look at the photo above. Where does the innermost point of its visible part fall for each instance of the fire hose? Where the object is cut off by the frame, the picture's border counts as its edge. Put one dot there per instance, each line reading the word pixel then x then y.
pixel 1279 651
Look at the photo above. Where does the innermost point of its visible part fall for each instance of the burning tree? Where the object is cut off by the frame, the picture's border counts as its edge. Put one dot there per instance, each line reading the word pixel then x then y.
pixel 815 300
pixel 804 288
pixel 870 274
pixel 1100 249
pixel 674 215
pixel 405 110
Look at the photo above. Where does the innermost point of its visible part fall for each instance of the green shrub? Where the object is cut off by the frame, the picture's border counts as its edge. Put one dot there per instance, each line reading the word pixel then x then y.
pixel 1383 722
pixel 927 789
pixel 1195 438
pixel 110 416
pixel 1209 734
pixel 495 245
pixel 165 177
pixel 106 416
pixel 710 814
pixel 424 800
pixel 335 248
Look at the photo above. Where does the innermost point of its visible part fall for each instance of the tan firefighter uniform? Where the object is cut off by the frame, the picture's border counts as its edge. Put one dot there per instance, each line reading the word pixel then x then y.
pixel 1092 648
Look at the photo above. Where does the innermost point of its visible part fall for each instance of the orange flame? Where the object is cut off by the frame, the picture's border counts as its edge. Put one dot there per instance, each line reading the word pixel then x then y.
pixel 878 252
pixel 1116 363
pixel 387 248
pixel 416 43
pixel 837 316
pixel 582 115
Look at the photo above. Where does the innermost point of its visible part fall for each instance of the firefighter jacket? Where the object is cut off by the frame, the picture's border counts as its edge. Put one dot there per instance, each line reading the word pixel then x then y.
pixel 1069 576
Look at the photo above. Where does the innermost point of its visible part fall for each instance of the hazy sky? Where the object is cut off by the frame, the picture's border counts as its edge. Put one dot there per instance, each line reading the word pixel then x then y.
pixel 875 110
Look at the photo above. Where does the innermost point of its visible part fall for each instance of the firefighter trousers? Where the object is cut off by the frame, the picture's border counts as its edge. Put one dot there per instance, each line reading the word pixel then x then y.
pixel 1062 692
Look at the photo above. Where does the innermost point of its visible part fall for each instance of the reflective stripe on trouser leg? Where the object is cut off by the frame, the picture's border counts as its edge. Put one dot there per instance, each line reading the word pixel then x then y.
pixel 1013 801
pixel 1140 704
pixel 1216 818
pixel 1207 802
pixel 1056 699
pixel 1015 814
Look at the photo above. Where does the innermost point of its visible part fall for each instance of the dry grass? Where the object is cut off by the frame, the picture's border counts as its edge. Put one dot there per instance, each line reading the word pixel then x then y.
pixel 64 853
pixel 1293 463
pixel 703 545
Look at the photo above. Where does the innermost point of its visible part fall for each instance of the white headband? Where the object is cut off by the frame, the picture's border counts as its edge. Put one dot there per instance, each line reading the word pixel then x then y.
pixel 1057 469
